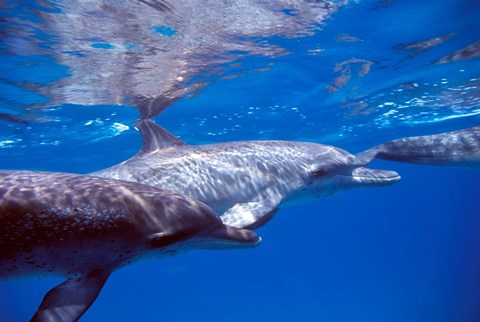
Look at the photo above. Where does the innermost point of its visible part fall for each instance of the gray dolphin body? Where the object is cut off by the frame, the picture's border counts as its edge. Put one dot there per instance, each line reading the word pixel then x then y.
pixel 457 148
pixel 245 181
pixel 84 228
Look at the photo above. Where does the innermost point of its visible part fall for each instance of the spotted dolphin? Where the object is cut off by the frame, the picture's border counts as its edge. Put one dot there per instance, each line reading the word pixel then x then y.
pixel 85 227
pixel 457 148
pixel 244 181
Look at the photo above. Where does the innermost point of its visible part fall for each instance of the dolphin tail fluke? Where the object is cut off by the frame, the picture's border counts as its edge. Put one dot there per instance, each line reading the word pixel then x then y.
pixel 367 156
pixel 68 301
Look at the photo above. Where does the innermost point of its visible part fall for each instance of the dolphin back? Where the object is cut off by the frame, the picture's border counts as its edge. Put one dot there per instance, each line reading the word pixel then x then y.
pixel 457 148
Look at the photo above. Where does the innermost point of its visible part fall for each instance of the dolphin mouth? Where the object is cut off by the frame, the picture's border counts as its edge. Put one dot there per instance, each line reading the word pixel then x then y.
pixel 374 177
pixel 231 237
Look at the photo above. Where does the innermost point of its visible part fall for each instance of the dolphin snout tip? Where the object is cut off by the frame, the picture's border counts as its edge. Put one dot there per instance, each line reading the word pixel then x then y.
pixel 244 236
pixel 375 177
pixel 236 237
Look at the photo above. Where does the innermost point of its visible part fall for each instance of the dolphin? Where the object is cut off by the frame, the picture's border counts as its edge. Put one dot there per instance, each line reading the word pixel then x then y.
pixel 247 181
pixel 85 227
pixel 457 148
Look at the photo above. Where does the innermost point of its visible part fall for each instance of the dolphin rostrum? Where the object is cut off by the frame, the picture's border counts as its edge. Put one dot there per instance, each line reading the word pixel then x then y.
pixel 85 227
pixel 458 148
pixel 245 181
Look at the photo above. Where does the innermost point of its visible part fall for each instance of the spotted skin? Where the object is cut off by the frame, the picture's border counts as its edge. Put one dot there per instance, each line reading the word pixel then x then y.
pixel 457 148
pixel 84 227
pixel 244 181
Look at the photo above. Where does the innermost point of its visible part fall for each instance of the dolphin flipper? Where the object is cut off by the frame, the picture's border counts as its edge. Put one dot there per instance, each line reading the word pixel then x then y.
pixel 457 148
pixel 68 301
pixel 249 215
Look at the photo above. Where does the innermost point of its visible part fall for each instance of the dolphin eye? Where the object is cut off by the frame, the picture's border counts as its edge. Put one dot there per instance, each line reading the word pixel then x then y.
pixel 319 173
pixel 163 240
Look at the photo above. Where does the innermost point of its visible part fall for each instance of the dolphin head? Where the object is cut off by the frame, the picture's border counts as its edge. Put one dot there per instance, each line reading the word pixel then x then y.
pixel 189 224
pixel 329 170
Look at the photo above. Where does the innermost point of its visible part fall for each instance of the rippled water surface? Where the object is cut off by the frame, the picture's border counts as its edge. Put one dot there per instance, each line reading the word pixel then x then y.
pixel 76 75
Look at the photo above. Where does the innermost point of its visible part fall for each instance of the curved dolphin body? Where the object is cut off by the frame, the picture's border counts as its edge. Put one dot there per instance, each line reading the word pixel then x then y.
pixel 245 181
pixel 458 148
pixel 84 228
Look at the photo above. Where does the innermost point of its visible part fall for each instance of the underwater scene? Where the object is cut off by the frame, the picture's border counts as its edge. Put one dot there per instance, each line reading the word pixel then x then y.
pixel 287 160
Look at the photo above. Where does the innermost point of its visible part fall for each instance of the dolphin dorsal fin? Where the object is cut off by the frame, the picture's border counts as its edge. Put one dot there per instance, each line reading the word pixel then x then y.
pixel 156 137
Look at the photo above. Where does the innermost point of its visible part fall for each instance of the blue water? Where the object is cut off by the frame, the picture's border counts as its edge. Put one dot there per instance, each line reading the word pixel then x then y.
pixel 354 74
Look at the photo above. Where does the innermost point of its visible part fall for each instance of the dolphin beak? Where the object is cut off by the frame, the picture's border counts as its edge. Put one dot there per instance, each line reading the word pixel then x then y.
pixel 374 177
pixel 231 237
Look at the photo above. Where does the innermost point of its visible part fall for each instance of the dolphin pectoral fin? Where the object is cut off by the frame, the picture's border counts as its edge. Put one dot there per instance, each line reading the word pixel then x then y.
pixel 250 215
pixel 68 301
